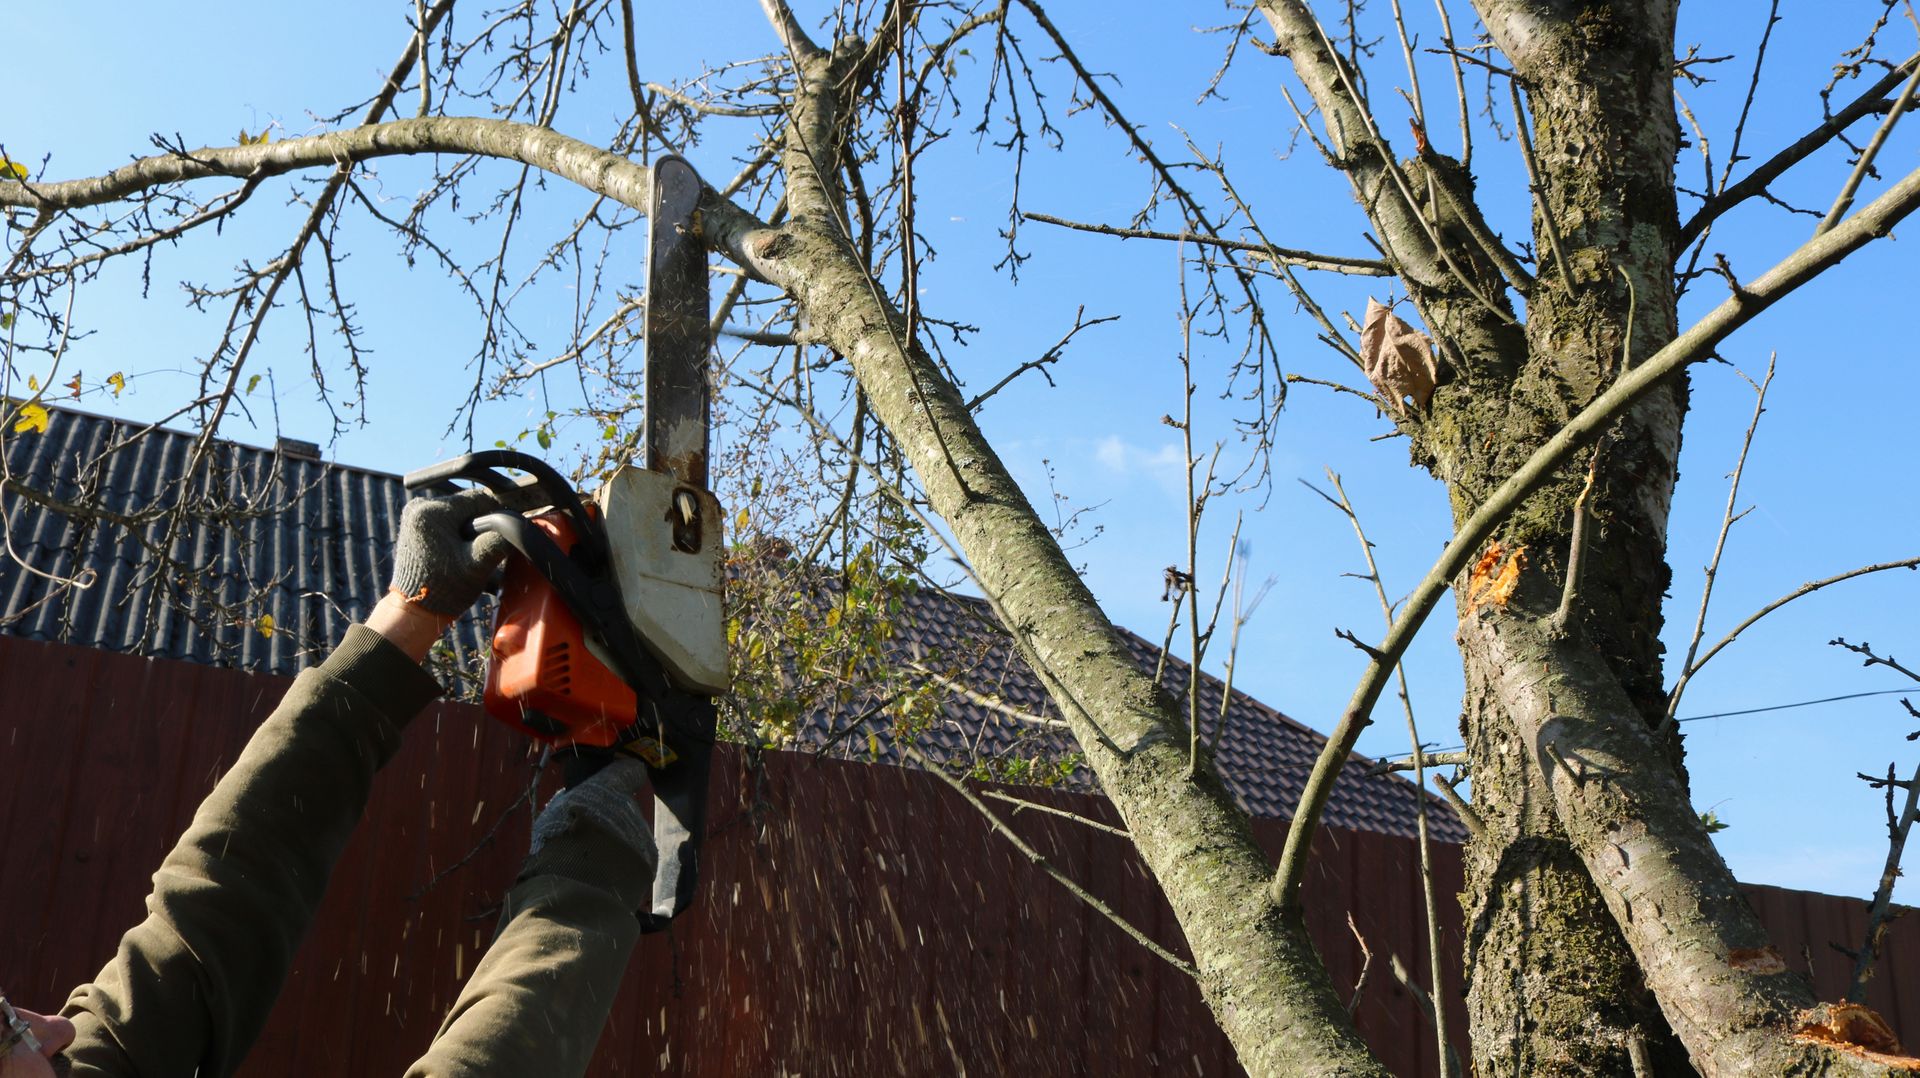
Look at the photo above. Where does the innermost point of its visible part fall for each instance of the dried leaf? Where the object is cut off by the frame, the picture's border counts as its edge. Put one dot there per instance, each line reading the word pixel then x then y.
pixel 73 387
pixel 1398 358
pixel 117 382
pixel 32 418
pixel 1494 576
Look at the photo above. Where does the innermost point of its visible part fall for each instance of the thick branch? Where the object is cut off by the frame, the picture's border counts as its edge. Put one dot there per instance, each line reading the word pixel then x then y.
pixel 1255 965
pixel 589 166
pixel 1731 999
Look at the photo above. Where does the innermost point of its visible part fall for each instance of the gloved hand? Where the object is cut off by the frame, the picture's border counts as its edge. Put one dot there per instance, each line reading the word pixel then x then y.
pixel 595 832
pixel 435 566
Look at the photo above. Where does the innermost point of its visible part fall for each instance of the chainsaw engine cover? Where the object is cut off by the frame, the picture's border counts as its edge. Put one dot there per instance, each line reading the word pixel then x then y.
pixel 666 538
pixel 543 679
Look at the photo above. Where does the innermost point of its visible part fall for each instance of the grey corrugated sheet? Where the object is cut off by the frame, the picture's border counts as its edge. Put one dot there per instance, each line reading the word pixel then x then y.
pixel 310 543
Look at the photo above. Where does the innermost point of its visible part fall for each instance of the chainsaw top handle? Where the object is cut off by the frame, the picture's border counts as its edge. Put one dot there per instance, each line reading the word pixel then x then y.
pixel 590 541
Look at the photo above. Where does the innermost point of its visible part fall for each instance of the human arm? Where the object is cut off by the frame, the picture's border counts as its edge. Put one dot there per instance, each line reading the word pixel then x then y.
pixel 191 986
pixel 539 998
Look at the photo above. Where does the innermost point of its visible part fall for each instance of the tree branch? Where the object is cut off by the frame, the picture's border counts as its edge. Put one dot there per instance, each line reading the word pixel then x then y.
pixel 593 168
pixel 1692 345
pixel 1755 183
pixel 1365 267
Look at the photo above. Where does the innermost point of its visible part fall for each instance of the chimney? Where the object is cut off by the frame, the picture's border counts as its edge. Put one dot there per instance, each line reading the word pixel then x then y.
pixel 295 449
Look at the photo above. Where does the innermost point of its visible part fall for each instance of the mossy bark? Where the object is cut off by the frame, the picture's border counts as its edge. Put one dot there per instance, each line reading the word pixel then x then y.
pixel 1553 987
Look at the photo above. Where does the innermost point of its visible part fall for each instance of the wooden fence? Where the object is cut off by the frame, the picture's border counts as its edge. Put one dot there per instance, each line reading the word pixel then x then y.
pixel 855 920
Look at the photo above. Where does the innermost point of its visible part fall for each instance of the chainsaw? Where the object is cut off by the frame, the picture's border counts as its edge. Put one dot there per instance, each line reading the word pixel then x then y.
pixel 610 636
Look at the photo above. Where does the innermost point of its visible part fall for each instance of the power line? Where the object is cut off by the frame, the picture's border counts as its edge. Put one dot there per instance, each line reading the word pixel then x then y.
pixel 1754 710
pixel 1803 703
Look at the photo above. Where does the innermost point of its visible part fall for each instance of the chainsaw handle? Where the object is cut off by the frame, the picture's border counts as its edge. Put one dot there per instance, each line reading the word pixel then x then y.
pixel 479 467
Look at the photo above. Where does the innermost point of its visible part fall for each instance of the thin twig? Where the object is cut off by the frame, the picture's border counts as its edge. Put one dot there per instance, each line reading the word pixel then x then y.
pixel 1459 86
pixel 1287 256
pixel 1366 965
pixel 1422 834
pixel 1021 805
pixel 1871 100
pixel 1033 856
pixel 1576 546
pixel 1727 520
pixel 1538 185
pixel 1407 763
pixel 1413 70
pixel 1805 589
pixel 1468 817
pixel 1878 914
pixel 1865 164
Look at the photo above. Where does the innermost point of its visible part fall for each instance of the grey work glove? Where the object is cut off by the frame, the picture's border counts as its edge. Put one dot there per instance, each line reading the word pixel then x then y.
pixel 597 833
pixel 437 567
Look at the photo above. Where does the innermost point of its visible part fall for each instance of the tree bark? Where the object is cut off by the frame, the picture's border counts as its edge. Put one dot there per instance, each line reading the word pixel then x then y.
pixel 1553 988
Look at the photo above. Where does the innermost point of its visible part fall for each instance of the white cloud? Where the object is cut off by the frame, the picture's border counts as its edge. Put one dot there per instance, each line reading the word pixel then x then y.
pixel 1164 464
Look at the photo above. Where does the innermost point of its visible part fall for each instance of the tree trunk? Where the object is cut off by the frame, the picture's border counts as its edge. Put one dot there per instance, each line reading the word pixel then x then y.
pixel 1552 987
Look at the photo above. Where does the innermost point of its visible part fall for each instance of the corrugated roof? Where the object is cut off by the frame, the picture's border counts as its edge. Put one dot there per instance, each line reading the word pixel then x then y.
pixel 257 532
pixel 250 534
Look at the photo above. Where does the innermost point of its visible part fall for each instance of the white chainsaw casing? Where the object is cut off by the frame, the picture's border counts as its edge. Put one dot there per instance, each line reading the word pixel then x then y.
pixel 673 590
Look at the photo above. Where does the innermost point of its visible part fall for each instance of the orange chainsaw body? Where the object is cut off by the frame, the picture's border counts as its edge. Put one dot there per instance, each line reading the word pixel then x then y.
pixel 541 678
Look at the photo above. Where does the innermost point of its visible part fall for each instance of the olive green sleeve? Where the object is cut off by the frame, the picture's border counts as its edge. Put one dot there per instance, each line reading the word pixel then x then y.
pixel 537 1002
pixel 191 986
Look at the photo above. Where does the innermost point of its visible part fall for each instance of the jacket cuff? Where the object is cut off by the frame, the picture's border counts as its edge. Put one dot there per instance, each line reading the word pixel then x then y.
pixel 369 664
pixel 587 853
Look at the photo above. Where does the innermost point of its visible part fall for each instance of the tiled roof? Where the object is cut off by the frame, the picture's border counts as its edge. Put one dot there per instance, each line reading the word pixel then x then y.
pixel 309 544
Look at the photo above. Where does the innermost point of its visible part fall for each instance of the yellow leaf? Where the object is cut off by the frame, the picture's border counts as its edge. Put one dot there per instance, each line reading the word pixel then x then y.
pixel 33 383
pixel 254 140
pixel 740 521
pixel 117 382
pixel 13 169
pixel 264 625
pixel 32 418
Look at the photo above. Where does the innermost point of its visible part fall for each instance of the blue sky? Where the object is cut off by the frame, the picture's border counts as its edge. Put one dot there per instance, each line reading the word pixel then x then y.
pixel 1829 477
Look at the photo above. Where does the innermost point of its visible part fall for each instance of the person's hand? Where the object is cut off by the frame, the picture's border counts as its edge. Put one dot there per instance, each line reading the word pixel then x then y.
pixel 439 565
pixel 596 830
pixel 40 1055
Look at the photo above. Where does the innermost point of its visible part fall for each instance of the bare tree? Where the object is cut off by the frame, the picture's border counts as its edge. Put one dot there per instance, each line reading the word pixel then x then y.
pixel 1606 934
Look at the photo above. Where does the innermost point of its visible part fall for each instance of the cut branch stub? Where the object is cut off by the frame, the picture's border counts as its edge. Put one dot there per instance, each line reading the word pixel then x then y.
pixel 1398 359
